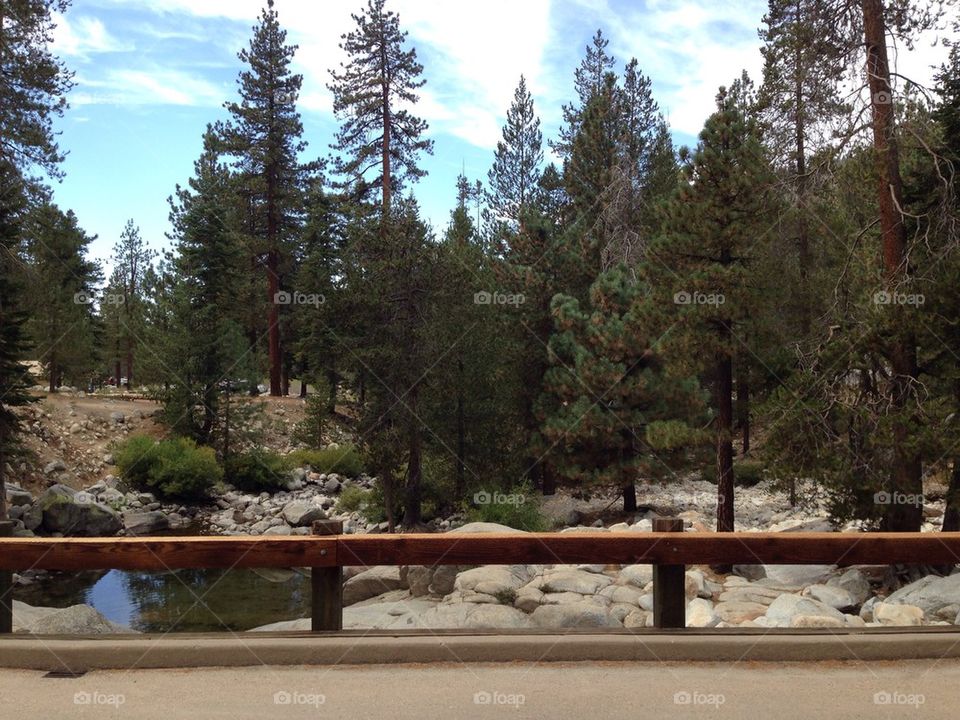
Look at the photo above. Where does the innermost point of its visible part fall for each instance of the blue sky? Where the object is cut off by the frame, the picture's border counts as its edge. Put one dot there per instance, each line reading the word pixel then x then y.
pixel 152 73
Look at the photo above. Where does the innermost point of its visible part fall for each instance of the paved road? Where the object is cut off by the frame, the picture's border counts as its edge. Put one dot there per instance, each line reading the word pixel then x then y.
pixel 596 691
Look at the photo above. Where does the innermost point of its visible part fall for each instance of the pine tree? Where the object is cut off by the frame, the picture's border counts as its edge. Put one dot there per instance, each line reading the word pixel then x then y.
pixel 715 227
pixel 801 97
pixel 205 329
pixel 131 259
pixel 514 179
pixel 32 95
pixel 371 94
pixel 264 135
pixel 609 406
pixel 588 81
pixel 62 280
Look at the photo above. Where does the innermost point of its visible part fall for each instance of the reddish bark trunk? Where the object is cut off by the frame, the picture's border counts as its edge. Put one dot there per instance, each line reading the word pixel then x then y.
pixel 905 475
pixel 724 393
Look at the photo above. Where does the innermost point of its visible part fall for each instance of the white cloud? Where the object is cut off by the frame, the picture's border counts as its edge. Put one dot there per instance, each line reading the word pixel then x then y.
pixel 159 86
pixel 476 58
pixel 83 37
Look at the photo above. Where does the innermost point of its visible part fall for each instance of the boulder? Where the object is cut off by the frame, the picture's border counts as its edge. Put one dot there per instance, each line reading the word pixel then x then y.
pixel 300 513
pixel 816 621
pixel 279 530
pixel 797 576
pixel 576 581
pixel 700 613
pixel 750 572
pixel 638 575
pixel 494 579
pixel 118 417
pixel 70 513
pixel 930 593
pixel 836 597
pixel 144 523
pixel 750 593
pixel 638 619
pixel 73 620
pixel 887 613
pixel 369 583
pixel 573 615
pixel 781 611
pixel 17 496
pixel 855 583
pixel 485 527
pixel 735 613
pixel 478 616
pixel 54 466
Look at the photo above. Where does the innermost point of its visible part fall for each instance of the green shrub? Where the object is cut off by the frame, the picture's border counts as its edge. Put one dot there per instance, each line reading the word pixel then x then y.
pixel 353 499
pixel 747 473
pixel 257 471
pixel 342 459
pixel 174 469
pixel 516 508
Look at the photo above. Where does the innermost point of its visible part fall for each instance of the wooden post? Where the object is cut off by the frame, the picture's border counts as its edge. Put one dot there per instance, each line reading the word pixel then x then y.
pixel 6 587
pixel 327 586
pixel 669 598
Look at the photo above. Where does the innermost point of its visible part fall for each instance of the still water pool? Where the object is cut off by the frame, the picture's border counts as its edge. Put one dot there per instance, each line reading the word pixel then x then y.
pixel 180 600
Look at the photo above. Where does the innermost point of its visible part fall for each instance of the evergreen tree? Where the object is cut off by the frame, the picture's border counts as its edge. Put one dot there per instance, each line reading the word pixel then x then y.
pixel 609 406
pixel 62 324
pixel 264 135
pixel 588 81
pixel 32 95
pixel 714 228
pixel 372 92
pixel 207 267
pixel 131 260
pixel 515 176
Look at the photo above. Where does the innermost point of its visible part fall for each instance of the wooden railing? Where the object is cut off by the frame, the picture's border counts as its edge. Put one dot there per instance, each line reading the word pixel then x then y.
pixel 328 551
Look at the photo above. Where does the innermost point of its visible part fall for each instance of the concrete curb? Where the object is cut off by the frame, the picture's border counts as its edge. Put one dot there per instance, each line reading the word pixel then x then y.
pixel 185 651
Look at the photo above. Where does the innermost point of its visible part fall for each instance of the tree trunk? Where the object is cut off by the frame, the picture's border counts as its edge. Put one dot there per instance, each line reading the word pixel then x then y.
pixel 3 472
pixel 386 191
pixel 906 470
pixel 332 381
pixel 273 319
pixel 803 239
pixel 411 509
pixel 630 497
pixel 285 378
pixel 117 369
pixel 743 408
pixel 724 393
pixel 303 388
pixel 386 476
pixel 129 382
pixel 53 379
pixel 461 480
pixel 951 515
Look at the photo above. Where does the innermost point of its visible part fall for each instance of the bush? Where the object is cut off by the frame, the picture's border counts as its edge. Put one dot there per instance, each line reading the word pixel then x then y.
pixel 353 499
pixel 342 459
pixel 516 508
pixel 175 469
pixel 257 471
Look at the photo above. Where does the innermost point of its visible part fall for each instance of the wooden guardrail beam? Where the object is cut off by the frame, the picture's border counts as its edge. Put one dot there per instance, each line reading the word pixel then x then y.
pixel 670 548
pixel 166 553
